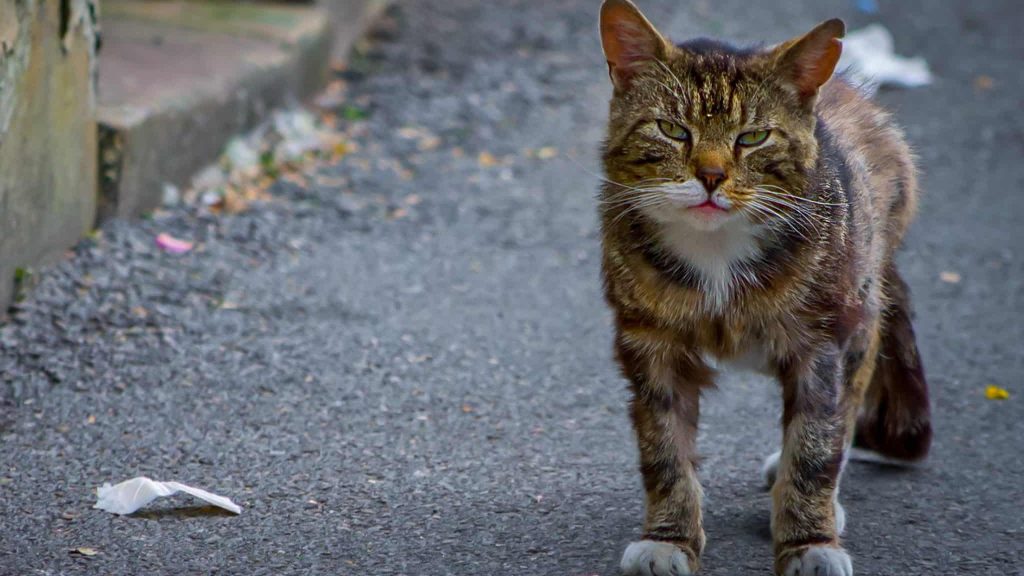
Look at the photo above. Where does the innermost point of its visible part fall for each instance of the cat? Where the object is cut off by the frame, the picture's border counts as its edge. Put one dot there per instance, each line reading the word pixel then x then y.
pixel 751 208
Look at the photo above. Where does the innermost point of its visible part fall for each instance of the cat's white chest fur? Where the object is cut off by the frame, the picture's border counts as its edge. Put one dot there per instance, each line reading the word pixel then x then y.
pixel 718 256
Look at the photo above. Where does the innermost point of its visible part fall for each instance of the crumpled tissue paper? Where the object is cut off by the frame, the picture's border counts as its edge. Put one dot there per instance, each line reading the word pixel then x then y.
pixel 130 495
pixel 869 59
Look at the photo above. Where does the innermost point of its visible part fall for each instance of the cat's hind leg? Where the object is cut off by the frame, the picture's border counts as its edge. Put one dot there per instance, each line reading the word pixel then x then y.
pixel 895 418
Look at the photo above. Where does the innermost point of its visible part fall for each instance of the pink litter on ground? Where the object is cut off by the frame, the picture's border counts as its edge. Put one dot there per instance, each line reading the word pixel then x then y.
pixel 173 245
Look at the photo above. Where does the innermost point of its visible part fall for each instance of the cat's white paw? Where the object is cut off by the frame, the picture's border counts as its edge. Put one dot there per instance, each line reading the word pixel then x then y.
pixel 770 468
pixel 820 561
pixel 650 558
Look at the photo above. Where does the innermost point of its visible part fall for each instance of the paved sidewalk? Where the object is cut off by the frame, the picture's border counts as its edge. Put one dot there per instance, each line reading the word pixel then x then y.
pixel 401 365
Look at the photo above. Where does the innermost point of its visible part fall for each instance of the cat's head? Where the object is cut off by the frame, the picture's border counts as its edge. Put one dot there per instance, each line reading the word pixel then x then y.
pixel 707 134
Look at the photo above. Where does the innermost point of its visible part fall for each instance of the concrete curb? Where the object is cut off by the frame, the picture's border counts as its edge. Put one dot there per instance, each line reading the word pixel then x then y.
pixel 184 82
pixel 177 80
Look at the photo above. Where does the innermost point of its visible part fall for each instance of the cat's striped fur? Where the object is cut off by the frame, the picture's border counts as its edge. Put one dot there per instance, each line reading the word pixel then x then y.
pixel 791 254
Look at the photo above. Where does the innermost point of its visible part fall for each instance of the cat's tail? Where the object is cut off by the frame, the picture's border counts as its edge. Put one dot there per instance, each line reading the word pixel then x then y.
pixel 895 416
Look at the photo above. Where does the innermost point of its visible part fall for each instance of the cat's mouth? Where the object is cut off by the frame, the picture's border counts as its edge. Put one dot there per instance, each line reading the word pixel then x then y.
pixel 710 214
pixel 709 207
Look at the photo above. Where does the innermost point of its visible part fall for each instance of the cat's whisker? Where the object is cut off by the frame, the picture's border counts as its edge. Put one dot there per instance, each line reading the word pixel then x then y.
pixel 665 86
pixel 632 191
pixel 779 191
pixel 801 230
pixel 631 200
pixel 640 205
pixel 801 211
pixel 804 212
pixel 679 83
pixel 767 218
pixel 636 185
pixel 607 180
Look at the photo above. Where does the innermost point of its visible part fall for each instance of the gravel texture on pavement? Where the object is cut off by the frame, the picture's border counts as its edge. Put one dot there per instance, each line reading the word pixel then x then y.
pixel 401 364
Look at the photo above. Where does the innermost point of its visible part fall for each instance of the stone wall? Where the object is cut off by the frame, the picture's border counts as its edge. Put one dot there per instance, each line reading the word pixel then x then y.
pixel 47 131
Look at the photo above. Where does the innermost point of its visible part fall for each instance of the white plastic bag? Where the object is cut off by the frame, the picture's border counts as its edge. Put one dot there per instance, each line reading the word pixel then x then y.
pixel 130 495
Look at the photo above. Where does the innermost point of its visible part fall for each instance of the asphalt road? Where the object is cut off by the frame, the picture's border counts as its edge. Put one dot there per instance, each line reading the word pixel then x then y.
pixel 404 367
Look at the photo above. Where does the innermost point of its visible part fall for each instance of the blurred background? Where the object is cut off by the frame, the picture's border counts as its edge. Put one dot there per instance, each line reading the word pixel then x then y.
pixel 339 261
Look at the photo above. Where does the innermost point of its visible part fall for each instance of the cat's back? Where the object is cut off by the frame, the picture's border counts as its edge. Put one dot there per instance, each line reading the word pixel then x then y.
pixel 875 149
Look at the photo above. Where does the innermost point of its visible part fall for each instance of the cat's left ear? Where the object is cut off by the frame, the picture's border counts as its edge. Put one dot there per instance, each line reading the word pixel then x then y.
pixel 808 61
pixel 629 40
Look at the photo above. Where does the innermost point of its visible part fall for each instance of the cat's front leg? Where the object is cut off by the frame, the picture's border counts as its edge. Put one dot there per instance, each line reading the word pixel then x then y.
pixel 804 523
pixel 666 395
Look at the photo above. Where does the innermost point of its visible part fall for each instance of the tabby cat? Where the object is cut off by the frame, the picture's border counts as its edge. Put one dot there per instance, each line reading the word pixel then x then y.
pixel 751 210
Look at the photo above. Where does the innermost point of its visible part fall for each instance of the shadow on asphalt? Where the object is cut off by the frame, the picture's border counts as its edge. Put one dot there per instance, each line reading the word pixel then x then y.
pixel 182 512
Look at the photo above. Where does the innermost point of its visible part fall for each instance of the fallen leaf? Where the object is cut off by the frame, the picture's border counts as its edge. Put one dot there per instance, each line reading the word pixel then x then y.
pixel 84 551
pixel 332 96
pixel 91 419
pixel 173 245
pixel 993 392
pixel 409 132
pixel 487 160
pixel 547 152
pixel 331 181
pixel 466 408
pixel 234 202
pixel 983 82
pixel 329 120
pixel 297 179
pixel 950 277
pixel 428 143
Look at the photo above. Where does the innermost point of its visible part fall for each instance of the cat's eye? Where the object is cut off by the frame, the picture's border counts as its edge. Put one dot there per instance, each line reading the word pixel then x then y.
pixel 753 138
pixel 673 130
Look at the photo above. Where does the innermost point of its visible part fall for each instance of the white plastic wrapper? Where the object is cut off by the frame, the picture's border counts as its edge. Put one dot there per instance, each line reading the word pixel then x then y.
pixel 869 58
pixel 130 495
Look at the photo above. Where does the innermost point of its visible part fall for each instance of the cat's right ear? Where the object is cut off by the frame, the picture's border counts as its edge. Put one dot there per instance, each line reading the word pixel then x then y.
pixel 630 41
pixel 808 61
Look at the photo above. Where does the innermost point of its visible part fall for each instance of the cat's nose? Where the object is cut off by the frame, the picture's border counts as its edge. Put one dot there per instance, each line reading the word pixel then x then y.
pixel 711 176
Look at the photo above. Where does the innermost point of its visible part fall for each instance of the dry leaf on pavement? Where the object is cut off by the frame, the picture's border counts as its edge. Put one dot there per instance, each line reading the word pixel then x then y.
pixel 993 392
